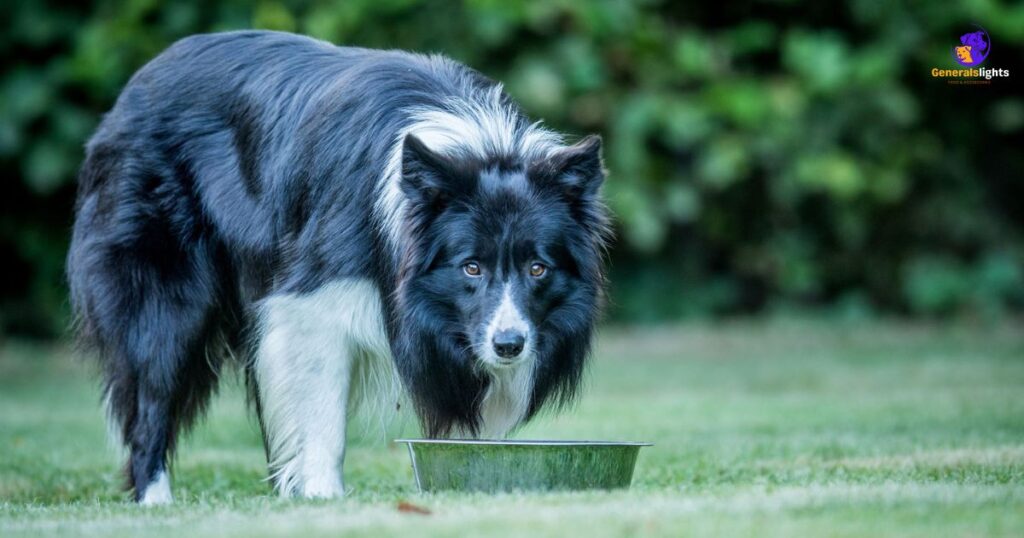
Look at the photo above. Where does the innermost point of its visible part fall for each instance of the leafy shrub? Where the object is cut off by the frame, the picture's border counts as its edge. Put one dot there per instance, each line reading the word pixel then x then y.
pixel 763 155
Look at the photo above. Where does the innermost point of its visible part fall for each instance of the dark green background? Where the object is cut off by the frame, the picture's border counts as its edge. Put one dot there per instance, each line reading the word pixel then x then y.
pixel 764 156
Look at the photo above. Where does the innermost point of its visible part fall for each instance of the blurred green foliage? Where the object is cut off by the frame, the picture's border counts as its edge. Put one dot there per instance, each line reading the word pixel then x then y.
pixel 764 155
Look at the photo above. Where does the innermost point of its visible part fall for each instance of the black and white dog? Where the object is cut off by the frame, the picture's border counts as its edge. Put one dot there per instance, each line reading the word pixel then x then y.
pixel 330 215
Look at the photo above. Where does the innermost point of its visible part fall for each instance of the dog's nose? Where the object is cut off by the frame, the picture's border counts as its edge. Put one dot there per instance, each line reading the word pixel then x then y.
pixel 508 344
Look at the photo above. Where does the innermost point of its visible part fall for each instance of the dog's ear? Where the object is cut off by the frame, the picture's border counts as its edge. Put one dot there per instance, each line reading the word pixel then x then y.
pixel 576 171
pixel 427 176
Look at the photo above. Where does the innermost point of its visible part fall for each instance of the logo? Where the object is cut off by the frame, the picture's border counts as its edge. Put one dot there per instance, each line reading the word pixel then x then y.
pixel 973 48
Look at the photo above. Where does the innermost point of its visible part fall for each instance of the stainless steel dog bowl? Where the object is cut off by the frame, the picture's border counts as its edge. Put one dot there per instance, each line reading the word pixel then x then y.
pixel 491 466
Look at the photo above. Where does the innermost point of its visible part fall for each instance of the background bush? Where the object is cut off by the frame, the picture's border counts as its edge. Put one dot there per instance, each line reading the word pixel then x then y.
pixel 765 155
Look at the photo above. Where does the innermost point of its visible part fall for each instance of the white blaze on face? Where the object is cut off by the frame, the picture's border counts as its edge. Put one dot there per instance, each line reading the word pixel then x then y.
pixel 507 399
pixel 506 318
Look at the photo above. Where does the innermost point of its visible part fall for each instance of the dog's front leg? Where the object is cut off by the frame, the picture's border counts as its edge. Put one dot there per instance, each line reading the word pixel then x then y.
pixel 303 372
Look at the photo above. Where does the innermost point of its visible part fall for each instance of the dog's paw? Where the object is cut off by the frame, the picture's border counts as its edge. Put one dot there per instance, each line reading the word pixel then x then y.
pixel 157 492
pixel 322 487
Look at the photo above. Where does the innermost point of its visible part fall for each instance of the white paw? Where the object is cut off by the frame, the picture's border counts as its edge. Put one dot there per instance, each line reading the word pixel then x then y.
pixel 158 491
pixel 322 487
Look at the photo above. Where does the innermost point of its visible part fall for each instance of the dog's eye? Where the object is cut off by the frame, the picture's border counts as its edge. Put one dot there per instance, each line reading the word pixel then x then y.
pixel 471 269
pixel 537 270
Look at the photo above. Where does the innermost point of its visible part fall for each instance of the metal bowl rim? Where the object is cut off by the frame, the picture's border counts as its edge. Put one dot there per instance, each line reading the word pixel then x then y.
pixel 524 442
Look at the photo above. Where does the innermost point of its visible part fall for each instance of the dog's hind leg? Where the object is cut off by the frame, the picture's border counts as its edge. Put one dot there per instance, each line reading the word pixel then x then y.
pixel 148 307
pixel 165 344
pixel 174 377
pixel 149 440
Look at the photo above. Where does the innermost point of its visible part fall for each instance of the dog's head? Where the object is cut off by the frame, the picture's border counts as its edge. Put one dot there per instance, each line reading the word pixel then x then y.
pixel 502 278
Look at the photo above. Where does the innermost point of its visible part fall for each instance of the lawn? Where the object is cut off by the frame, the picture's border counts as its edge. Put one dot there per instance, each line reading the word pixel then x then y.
pixel 767 429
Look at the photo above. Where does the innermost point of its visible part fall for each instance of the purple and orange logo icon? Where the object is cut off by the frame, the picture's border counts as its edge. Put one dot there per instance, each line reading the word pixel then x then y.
pixel 973 48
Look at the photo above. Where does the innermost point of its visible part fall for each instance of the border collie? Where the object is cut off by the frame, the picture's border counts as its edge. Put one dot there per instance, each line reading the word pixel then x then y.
pixel 331 216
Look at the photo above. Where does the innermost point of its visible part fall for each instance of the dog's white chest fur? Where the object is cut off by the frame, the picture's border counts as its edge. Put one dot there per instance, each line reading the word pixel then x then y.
pixel 507 400
pixel 319 351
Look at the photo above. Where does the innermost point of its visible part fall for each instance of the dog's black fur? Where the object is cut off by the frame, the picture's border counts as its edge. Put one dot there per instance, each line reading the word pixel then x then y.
pixel 241 166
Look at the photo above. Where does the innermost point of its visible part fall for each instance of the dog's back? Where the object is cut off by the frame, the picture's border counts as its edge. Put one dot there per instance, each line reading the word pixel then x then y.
pixel 236 126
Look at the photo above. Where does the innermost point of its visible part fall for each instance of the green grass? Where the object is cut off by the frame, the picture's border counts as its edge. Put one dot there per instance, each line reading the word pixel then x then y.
pixel 777 429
